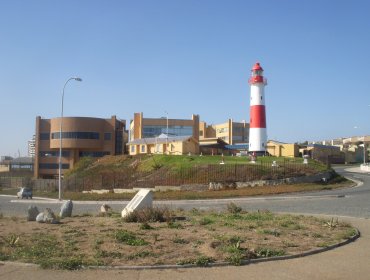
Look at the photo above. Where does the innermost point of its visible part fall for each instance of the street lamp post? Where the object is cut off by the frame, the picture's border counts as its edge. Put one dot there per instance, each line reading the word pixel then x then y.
pixel 166 132
pixel 60 139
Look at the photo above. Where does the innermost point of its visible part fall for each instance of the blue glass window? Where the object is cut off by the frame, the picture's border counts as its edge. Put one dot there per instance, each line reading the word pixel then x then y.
pixel 76 135
pixel 173 130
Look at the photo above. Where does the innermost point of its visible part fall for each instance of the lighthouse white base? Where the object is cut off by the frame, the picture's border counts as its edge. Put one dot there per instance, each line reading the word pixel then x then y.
pixel 257 140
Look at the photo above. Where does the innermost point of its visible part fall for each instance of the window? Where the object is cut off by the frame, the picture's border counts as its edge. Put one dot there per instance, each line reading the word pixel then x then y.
pixel 173 130
pixel 222 130
pixel 107 136
pixel 44 136
pixel 132 149
pixel 53 166
pixel 119 142
pixel 76 135
pixel 201 133
pixel 53 154
pixel 143 148
pixel 158 148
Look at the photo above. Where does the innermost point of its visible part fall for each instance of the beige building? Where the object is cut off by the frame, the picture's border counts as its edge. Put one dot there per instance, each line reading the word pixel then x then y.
pixel 175 145
pixel 163 135
pixel 141 127
pixel 81 137
pixel 280 149
pixel 230 132
pixel 210 139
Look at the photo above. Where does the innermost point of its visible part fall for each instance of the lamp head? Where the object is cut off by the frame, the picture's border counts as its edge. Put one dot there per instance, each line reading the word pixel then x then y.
pixel 78 79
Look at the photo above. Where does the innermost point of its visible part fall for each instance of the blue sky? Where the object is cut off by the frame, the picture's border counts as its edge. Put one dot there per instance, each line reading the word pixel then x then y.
pixel 186 57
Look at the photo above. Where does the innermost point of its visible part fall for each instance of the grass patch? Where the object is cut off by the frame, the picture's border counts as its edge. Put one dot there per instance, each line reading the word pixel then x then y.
pixel 200 238
pixel 129 238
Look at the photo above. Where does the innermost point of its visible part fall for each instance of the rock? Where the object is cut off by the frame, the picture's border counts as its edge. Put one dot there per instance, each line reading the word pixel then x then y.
pixel 47 217
pixel 40 218
pixel 66 209
pixel 105 208
pixel 213 186
pixel 32 213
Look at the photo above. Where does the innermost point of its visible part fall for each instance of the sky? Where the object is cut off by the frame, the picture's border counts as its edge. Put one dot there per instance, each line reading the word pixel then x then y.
pixel 186 57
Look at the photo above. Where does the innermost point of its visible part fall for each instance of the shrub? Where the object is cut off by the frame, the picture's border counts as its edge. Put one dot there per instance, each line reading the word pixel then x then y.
pixel 203 261
pixel 206 221
pixel 148 215
pixel 267 252
pixel 233 208
pixel 145 226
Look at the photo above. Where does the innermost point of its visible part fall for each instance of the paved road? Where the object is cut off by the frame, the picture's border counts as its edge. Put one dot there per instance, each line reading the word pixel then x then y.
pixel 353 202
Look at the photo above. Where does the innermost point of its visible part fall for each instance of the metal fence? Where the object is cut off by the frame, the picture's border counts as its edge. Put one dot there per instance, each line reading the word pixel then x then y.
pixel 129 178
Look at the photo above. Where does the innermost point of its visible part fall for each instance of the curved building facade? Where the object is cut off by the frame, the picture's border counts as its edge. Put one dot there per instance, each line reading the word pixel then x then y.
pixel 81 137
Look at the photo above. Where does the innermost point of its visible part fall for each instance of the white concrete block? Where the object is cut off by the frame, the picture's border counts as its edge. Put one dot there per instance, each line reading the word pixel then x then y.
pixel 365 167
pixel 143 199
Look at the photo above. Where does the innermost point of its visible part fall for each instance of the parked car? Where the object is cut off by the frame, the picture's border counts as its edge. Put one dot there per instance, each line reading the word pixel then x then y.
pixel 24 192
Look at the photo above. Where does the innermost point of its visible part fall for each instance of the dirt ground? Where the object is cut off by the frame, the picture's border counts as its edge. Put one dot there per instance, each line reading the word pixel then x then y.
pixel 196 237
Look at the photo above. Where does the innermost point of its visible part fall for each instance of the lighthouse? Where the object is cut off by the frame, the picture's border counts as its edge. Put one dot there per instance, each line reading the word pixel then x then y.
pixel 257 126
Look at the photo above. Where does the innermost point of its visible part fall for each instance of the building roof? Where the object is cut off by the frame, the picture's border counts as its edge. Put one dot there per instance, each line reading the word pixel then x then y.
pixel 159 140
pixel 276 142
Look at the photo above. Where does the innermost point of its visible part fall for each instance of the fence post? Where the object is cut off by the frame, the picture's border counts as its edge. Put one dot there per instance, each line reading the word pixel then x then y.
pixel 284 168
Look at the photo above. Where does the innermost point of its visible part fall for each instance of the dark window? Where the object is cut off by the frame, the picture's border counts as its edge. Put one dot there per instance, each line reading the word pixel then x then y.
pixel 119 142
pixel 76 135
pixel 173 130
pixel 44 136
pixel 53 166
pixel 107 136
pixel 53 154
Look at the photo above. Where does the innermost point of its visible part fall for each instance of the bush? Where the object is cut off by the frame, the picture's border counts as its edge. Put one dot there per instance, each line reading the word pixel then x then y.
pixel 233 208
pixel 149 215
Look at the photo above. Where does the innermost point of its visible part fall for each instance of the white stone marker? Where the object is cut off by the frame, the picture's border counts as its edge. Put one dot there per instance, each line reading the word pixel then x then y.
pixel 305 159
pixel 143 199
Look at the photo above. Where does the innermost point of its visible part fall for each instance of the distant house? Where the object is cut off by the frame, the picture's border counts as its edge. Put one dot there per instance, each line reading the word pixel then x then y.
pixel 163 144
pixel 324 153
pixel 280 149
pixel 16 164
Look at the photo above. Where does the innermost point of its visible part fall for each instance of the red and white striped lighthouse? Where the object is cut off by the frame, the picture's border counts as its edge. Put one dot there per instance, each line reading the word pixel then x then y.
pixel 257 127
